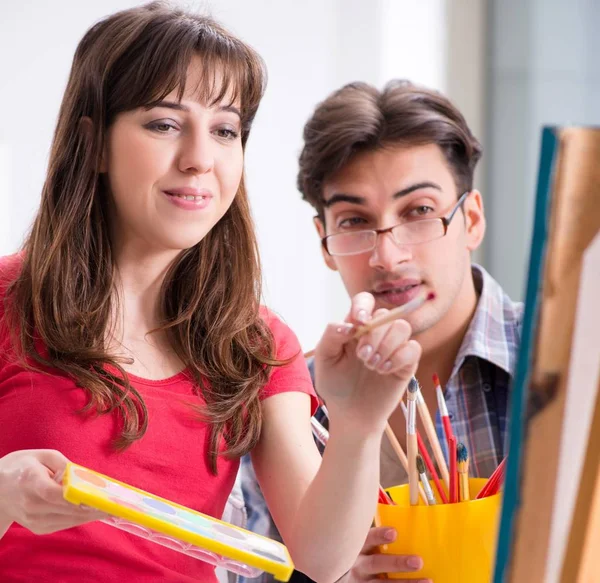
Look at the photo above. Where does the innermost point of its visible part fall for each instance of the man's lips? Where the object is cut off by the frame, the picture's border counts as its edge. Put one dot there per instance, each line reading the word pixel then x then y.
pixel 396 286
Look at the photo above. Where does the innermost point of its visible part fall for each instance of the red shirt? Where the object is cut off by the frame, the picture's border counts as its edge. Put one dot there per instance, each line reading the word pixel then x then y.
pixel 38 411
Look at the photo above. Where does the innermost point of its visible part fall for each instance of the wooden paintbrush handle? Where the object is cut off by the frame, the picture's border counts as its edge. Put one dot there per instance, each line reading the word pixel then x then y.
pixel 402 456
pixel 392 315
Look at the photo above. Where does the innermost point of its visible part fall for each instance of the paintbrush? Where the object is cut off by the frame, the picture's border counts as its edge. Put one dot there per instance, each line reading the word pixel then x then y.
pixel 431 433
pixel 322 436
pixel 492 486
pixel 401 456
pixel 453 474
pixel 462 457
pixel 319 432
pixel 424 481
pixel 425 455
pixel 392 315
pixel 443 409
pixel 412 448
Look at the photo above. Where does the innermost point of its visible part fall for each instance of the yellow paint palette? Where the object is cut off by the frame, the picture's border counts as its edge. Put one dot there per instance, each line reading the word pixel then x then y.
pixel 177 527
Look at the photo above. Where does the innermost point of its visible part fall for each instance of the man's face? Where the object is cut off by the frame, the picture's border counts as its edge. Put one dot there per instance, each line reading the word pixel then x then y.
pixel 400 185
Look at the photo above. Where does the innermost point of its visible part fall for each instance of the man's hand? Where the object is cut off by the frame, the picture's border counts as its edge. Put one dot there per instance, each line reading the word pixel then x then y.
pixel 371 563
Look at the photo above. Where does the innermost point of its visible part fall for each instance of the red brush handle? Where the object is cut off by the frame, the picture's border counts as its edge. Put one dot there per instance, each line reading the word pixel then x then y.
pixel 447 428
pixel 452 470
pixel 383 497
pixel 431 469
pixel 495 481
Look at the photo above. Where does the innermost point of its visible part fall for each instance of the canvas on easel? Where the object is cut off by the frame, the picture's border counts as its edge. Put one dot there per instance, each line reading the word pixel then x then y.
pixel 551 509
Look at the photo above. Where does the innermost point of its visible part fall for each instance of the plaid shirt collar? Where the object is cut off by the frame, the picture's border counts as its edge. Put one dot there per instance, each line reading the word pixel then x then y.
pixel 494 331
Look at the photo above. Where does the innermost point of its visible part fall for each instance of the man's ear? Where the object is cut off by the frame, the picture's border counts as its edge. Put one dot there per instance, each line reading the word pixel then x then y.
pixel 475 220
pixel 87 127
pixel 329 260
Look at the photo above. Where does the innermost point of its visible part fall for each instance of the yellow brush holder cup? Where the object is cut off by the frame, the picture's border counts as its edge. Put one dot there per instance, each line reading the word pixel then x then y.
pixel 457 542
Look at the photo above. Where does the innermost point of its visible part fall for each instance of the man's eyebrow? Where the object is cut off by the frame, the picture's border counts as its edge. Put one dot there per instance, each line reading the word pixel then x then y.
pixel 417 186
pixel 342 197
pixel 360 200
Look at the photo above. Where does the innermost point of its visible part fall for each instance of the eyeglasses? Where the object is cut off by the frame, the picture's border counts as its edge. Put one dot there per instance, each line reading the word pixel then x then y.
pixel 412 233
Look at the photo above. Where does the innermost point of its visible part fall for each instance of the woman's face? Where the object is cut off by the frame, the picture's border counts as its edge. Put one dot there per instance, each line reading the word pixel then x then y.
pixel 173 170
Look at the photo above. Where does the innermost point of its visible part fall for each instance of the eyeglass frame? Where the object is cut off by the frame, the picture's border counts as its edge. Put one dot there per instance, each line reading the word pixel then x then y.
pixel 445 222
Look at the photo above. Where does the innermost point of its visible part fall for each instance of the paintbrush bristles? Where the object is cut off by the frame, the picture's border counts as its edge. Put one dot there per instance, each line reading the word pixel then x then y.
pixel 413 385
pixel 420 464
pixel 462 458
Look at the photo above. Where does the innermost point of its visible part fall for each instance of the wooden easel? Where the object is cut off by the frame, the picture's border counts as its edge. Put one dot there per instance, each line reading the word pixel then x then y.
pixel 567 225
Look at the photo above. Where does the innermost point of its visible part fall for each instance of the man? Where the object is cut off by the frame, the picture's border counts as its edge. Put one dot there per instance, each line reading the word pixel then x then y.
pixel 390 175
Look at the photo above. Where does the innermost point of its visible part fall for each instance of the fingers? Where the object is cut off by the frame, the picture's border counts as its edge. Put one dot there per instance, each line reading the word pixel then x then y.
pixel 43 495
pixel 406 360
pixel 371 562
pixel 333 342
pixel 377 564
pixel 362 308
pixel 36 480
pixel 395 353
pixel 54 460
pixel 48 523
pixel 377 347
pixel 379 535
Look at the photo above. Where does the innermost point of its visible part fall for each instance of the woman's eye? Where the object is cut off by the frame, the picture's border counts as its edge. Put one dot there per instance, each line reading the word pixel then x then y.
pixel 162 127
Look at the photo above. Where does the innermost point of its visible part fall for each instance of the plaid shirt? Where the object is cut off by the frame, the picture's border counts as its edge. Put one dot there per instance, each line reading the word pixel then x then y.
pixel 476 396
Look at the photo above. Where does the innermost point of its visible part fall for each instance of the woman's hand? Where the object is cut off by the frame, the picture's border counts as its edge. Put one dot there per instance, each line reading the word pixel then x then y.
pixel 31 496
pixel 362 381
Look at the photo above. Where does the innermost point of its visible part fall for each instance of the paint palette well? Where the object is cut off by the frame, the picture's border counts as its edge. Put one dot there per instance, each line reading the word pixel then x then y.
pixel 177 527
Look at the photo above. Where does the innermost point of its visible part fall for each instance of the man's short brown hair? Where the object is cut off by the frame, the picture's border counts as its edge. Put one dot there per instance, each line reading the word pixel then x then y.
pixel 358 118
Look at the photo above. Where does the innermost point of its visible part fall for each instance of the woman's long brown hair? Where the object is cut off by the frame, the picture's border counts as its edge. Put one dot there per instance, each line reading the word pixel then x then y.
pixel 210 297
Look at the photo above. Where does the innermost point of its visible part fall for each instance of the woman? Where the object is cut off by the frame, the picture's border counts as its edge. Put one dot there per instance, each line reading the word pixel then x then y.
pixel 131 336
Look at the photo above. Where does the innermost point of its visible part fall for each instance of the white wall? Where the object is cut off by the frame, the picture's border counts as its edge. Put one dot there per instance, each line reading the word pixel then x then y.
pixel 544 69
pixel 310 47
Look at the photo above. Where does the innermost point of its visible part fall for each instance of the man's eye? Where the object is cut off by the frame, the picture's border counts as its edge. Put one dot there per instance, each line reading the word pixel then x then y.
pixel 227 133
pixel 352 222
pixel 421 211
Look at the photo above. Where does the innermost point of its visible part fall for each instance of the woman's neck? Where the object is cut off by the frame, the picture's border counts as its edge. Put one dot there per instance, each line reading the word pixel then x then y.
pixel 139 278
pixel 136 312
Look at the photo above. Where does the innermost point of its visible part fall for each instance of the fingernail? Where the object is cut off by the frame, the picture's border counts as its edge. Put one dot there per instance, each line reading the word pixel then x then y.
pixel 365 352
pixel 415 562
pixel 390 534
pixel 345 329
pixel 375 359
pixel 362 316
pixel 386 366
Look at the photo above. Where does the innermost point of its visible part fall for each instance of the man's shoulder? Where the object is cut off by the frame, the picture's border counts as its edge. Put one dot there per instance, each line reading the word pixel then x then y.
pixel 494 333
pixel 495 301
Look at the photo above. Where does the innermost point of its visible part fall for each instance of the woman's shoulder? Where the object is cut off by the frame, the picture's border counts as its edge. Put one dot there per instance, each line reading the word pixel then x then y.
pixel 282 333
pixel 287 344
